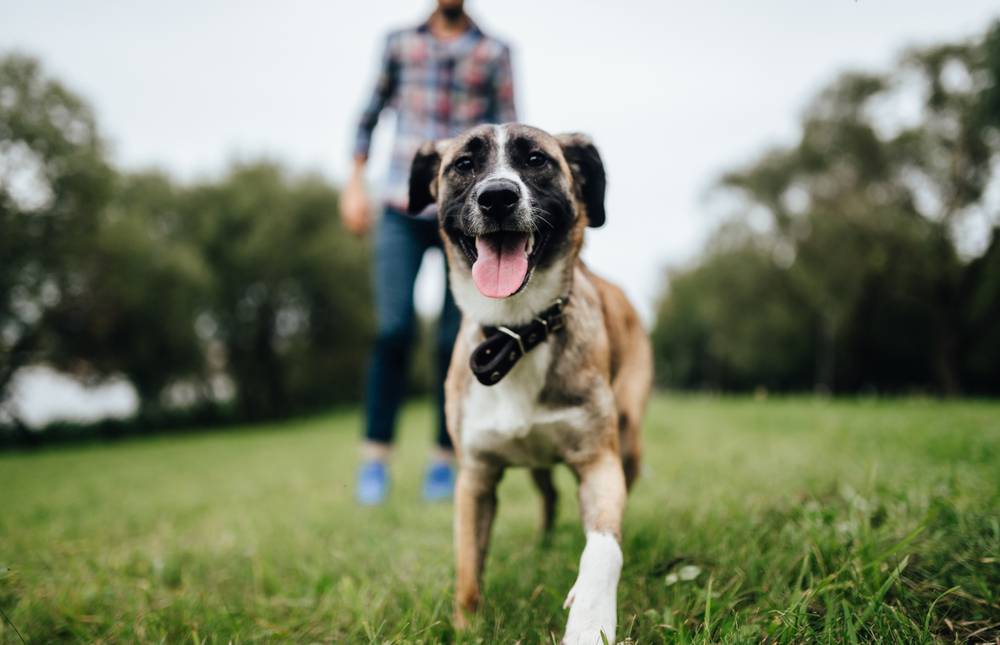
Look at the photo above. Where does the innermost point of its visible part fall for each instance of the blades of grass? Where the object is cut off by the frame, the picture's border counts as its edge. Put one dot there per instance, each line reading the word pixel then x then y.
pixel 828 621
pixel 708 610
pixel 631 625
pixel 12 626
pixel 897 547
pixel 884 589
pixel 852 635
pixel 682 636
pixel 930 610
pixel 804 569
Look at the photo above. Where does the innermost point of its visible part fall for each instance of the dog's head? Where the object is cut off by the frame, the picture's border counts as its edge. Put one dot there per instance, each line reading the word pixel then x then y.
pixel 512 205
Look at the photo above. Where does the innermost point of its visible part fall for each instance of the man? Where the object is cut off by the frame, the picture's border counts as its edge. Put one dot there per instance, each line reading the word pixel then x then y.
pixel 441 78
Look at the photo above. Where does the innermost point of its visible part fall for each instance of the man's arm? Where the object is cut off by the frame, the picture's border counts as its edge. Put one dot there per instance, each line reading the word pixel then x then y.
pixel 503 88
pixel 355 207
pixel 385 87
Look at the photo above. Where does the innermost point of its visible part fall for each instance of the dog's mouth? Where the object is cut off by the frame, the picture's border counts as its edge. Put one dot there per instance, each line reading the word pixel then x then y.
pixel 502 261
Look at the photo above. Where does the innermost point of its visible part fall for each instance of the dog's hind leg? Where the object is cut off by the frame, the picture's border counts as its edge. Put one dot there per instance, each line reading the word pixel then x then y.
pixel 550 498
pixel 630 451
pixel 632 374
pixel 631 387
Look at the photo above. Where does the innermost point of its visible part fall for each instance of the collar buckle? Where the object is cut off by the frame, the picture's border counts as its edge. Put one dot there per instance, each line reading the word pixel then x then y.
pixel 554 321
pixel 516 336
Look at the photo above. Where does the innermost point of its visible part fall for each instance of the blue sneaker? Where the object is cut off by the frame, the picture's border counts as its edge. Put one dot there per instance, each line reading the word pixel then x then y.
pixel 439 483
pixel 373 483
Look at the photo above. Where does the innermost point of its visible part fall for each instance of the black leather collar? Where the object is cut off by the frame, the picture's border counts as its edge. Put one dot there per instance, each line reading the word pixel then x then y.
pixel 505 346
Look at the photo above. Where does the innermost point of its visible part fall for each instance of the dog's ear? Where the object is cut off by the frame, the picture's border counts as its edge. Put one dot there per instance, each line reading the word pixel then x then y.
pixel 588 173
pixel 424 178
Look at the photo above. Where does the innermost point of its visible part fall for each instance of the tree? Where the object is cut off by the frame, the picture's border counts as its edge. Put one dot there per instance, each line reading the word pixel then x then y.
pixel 140 290
pixel 733 322
pixel 54 182
pixel 291 298
pixel 248 280
pixel 869 211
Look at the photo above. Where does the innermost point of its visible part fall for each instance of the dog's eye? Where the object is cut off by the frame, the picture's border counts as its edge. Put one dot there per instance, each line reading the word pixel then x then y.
pixel 537 160
pixel 463 164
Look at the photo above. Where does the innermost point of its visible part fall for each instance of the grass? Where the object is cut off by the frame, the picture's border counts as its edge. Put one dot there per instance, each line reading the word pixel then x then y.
pixel 789 520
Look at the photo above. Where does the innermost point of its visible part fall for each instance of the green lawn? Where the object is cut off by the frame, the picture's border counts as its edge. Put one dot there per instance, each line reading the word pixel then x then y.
pixel 794 520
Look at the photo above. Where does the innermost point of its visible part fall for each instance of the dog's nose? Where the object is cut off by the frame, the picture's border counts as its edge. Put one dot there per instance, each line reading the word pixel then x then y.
pixel 498 199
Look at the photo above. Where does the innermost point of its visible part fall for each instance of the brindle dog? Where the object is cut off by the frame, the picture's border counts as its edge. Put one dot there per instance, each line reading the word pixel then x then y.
pixel 551 363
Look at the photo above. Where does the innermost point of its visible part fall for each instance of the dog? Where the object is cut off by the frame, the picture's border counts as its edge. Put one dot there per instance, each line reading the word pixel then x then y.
pixel 551 363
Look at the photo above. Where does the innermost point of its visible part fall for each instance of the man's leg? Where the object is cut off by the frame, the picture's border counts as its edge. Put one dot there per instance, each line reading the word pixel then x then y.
pixel 440 481
pixel 399 249
pixel 447 330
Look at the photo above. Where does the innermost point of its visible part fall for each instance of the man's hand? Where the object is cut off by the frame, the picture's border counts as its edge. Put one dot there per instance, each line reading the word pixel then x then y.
pixel 355 207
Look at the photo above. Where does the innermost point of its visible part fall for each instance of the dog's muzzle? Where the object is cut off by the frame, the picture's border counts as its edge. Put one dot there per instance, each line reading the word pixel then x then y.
pixel 498 199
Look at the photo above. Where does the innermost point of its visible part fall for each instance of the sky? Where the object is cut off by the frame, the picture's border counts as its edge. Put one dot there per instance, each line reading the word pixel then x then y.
pixel 673 93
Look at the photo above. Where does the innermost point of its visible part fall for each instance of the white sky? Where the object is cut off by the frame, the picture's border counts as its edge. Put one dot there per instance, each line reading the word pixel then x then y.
pixel 672 92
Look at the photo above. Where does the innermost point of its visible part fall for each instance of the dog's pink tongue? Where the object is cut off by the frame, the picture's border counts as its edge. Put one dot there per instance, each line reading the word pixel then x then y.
pixel 502 263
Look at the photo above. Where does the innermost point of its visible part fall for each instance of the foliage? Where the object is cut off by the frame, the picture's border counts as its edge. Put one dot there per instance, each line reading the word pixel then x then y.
pixel 54 181
pixel 140 288
pixel 854 264
pixel 244 287
pixel 790 521
pixel 291 301
pixel 770 348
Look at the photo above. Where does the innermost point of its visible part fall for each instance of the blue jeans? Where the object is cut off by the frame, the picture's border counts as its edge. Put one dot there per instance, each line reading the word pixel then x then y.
pixel 400 244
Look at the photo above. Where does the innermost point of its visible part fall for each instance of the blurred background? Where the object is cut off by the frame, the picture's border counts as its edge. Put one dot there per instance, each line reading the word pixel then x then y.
pixel 802 197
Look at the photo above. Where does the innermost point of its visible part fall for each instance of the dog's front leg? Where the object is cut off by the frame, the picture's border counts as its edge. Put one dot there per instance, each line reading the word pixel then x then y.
pixel 475 507
pixel 592 601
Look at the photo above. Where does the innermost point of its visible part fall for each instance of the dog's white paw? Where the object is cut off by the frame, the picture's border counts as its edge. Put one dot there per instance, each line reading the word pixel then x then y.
pixel 597 636
pixel 592 612
pixel 592 599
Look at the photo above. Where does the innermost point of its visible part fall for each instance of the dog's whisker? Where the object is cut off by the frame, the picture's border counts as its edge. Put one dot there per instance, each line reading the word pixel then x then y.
pixel 541 213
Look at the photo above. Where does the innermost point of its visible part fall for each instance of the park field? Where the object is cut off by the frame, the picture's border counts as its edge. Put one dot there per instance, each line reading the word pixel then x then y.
pixel 785 520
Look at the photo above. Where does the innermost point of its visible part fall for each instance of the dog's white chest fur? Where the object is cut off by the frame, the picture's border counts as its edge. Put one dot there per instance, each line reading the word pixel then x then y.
pixel 507 420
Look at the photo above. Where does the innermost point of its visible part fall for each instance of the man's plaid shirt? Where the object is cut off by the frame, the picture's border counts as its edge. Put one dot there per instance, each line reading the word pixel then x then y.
pixel 438 89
